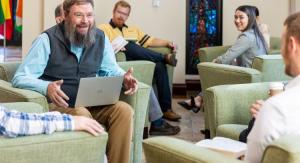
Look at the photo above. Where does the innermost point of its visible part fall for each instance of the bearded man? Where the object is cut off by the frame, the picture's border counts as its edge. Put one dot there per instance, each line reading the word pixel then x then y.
pixel 71 50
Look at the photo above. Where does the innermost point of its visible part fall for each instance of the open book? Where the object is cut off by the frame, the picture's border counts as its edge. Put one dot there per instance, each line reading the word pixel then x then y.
pixel 226 146
pixel 118 43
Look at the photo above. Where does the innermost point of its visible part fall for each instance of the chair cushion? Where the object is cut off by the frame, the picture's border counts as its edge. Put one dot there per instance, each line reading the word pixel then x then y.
pixel 28 107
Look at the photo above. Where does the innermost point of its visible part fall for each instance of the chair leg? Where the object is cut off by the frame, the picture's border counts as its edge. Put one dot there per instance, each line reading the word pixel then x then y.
pixel 146 133
pixel 206 133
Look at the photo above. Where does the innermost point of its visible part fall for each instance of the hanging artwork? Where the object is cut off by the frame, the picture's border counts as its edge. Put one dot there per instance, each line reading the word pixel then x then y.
pixel 204 20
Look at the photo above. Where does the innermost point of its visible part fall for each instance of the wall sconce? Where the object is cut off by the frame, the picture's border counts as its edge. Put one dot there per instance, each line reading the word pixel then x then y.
pixel 155 3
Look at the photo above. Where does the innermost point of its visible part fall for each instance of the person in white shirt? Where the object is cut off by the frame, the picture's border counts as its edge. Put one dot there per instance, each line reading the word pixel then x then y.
pixel 279 115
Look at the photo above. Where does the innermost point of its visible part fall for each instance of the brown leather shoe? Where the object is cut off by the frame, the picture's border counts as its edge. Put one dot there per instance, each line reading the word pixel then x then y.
pixel 172 116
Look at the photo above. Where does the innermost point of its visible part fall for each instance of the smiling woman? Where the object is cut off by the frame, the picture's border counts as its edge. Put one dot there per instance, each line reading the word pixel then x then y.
pixel 250 43
pixel 241 20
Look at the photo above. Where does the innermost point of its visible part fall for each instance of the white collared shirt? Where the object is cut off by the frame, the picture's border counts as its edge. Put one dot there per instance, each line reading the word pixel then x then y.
pixel 279 116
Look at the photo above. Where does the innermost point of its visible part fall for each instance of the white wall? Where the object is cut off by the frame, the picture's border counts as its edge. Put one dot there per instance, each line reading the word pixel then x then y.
pixel 167 21
pixel 32 22
pixel 296 5
pixel 272 12
pixel 49 7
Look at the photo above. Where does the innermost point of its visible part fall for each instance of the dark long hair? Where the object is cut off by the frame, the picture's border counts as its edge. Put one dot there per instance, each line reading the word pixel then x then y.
pixel 252 24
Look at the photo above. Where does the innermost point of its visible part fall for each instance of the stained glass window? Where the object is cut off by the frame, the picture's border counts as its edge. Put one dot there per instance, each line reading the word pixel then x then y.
pixel 204 29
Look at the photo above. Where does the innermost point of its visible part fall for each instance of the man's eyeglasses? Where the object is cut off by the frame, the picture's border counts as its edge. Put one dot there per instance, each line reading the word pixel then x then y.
pixel 81 15
pixel 122 13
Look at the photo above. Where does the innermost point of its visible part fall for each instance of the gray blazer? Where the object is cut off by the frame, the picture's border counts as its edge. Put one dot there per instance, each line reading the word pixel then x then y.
pixel 244 50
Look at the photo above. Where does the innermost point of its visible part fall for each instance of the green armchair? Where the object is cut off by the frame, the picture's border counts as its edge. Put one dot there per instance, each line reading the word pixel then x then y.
pixel 59 147
pixel 145 73
pixel 139 101
pixel 265 68
pixel 208 54
pixel 229 105
pixel 229 115
pixel 172 150
pixel 275 45
pixel 214 74
pixel 162 50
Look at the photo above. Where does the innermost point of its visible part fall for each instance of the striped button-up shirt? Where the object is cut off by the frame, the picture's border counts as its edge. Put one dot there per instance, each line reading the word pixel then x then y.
pixel 14 123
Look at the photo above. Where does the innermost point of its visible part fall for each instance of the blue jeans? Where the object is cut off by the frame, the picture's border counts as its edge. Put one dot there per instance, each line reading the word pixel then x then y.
pixel 137 52
pixel 155 112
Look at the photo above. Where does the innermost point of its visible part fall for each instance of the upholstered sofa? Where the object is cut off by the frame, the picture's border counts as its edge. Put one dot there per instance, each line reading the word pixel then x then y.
pixel 172 150
pixel 138 101
pixel 59 147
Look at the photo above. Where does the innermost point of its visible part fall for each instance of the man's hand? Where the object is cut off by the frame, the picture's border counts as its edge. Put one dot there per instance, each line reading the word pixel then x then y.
pixel 173 47
pixel 87 124
pixel 256 107
pixel 57 96
pixel 130 83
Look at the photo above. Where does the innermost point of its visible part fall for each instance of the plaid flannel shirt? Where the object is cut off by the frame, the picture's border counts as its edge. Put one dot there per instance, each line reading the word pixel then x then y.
pixel 14 123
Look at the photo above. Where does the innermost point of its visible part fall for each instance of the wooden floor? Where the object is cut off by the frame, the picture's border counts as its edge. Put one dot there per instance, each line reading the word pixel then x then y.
pixel 190 124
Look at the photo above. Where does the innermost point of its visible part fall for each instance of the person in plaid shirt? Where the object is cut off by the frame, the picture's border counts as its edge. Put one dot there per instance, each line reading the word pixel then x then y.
pixel 14 123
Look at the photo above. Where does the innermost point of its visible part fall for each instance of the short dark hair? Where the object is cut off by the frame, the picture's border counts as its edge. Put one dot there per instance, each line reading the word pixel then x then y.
pixel 58 10
pixel 69 3
pixel 292 24
pixel 123 4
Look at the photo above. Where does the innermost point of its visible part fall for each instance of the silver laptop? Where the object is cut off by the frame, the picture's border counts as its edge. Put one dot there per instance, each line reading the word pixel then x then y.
pixel 96 91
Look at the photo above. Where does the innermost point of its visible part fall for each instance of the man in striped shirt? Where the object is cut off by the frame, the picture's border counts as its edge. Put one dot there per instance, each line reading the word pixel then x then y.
pixel 14 123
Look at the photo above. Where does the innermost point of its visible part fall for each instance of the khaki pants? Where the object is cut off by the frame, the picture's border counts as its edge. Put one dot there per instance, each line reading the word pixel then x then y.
pixel 117 119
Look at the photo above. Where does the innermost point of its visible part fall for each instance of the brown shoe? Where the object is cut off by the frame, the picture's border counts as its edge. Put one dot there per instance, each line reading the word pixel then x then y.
pixel 172 116
pixel 171 59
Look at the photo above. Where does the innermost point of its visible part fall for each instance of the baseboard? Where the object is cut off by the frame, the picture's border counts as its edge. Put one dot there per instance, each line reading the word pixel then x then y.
pixel 193 85
pixel 179 89
pixel 190 85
